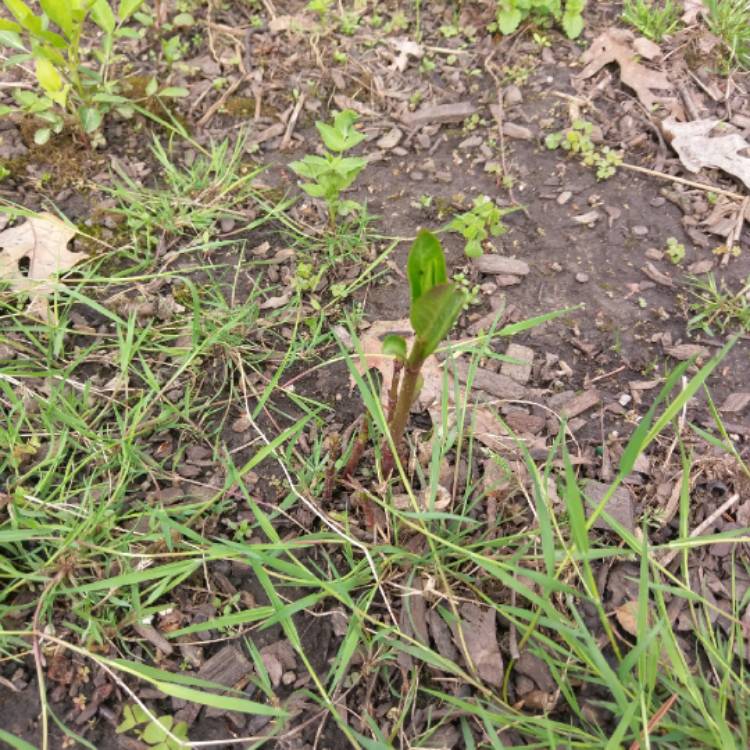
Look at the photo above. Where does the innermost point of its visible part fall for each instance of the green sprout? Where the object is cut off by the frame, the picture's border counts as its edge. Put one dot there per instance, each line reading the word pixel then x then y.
pixel 435 306
pixel 484 219
pixel 329 175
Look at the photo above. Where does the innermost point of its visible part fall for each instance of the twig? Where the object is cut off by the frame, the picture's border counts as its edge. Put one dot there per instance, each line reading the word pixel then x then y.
pixel 655 720
pixel 701 527
pixel 211 111
pixel 287 139
pixel 682 181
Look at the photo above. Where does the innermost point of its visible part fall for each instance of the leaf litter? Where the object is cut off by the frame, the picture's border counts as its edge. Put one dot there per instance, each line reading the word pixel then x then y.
pixel 42 241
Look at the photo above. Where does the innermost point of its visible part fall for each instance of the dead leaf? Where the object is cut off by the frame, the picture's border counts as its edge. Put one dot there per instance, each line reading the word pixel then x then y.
pixel 693 9
pixel 43 240
pixel 684 352
pixel 297 23
pixel 372 347
pixel 619 45
pixel 480 638
pixel 627 616
pixel 697 149
pixel 735 402
pixel 405 48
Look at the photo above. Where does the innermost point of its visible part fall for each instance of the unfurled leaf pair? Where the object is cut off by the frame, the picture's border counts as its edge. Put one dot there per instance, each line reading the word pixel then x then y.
pixel 436 304
pixel 329 175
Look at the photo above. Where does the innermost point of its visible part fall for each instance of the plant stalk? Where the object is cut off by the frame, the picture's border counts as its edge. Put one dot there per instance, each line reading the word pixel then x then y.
pixel 409 384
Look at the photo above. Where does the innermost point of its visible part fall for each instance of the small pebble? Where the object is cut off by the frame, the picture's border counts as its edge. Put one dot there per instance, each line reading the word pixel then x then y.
pixel 564 197
pixel 639 230
pixel 227 225
pixel 416 176
pixel 658 202
pixel 512 95
pixel 582 278
pixel 653 254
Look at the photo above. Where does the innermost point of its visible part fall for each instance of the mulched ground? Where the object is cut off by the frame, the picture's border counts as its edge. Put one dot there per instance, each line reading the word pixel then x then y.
pixel 597 247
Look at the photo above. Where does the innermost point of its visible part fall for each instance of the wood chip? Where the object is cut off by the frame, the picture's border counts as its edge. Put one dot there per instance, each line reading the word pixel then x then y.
pixel 152 635
pixel 500 264
pixel 684 352
pixel 735 402
pixel 619 506
pixel 493 383
pixel 520 370
pixel 580 403
pixel 439 113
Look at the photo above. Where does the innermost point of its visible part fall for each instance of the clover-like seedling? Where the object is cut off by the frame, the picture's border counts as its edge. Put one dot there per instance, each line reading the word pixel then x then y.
pixel 329 175
pixel 484 219
pixel 435 306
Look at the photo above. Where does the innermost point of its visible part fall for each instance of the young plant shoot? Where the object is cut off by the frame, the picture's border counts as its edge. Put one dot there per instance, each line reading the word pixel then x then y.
pixel 329 175
pixel 435 306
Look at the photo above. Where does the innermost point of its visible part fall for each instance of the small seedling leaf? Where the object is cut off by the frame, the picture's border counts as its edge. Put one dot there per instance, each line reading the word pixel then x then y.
pixel 434 314
pixel 156 731
pixel 127 8
pixel 174 92
pixel 102 16
pixel 395 346
pixel 426 265
pixel 91 118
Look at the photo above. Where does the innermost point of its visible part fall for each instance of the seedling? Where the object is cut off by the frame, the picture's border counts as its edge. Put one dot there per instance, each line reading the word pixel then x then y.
pixel 70 84
pixel 475 226
pixel 675 250
pixel 511 13
pixel 329 175
pixel 435 306
pixel 577 140
pixel 153 733
pixel 652 19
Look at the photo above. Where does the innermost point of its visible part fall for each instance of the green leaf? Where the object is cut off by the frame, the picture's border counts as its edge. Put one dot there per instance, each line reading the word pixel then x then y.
pixel 9 37
pixel 47 75
pixel 127 8
pixel 509 20
pixel 59 12
pixel 331 137
pixel 15 742
pixel 426 265
pixel 395 346
pixel 156 731
pixel 129 720
pixel 19 9
pixel 174 92
pixel 42 135
pixel 572 24
pixel 90 117
pixel 152 87
pixel 103 16
pixel 435 312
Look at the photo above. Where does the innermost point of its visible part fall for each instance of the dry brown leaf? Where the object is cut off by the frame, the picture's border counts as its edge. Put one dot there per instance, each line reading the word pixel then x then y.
pixel 627 616
pixel 620 46
pixel 43 240
pixel 480 637
pixel 372 348
pixel 697 149
pixel 693 9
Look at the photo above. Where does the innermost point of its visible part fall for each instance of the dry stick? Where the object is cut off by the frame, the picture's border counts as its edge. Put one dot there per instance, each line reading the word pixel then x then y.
pixel 327 520
pixel 211 111
pixel 286 140
pixel 655 720
pixel 682 181
pixel 701 527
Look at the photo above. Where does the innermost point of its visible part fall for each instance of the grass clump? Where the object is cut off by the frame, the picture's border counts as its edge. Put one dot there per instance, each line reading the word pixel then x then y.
pixel 729 20
pixel 654 19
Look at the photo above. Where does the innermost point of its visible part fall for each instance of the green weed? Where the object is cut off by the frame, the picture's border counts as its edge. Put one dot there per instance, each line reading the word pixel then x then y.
pixel 329 175
pixel 511 13
pixel 69 83
pixel 483 220
pixel 654 19
pixel 729 20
